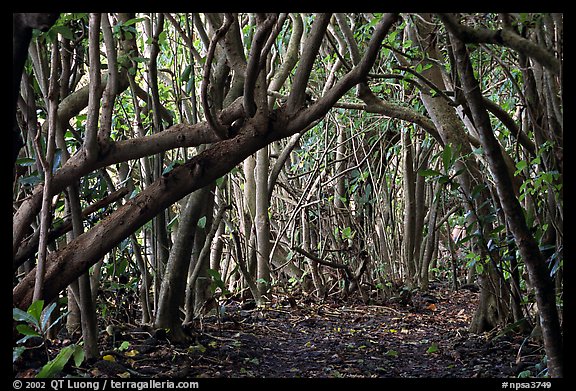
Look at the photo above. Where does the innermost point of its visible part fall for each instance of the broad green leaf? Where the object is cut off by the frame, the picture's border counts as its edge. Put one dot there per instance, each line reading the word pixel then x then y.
pixel 170 167
pixel 63 31
pixel 522 164
pixel 55 366
pixel 479 268
pixel 130 22
pixel 26 338
pixel 78 355
pixel 124 345
pixel 391 353
pixel 24 329
pixel 31 180
pixel 215 274
pixel 186 73
pixel 21 316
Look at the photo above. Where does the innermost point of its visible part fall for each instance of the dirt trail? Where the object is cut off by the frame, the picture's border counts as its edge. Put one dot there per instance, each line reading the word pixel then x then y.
pixel 427 338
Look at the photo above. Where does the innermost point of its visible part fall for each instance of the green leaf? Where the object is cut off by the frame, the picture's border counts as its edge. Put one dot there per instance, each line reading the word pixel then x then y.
pixel 45 317
pixel 215 274
pixel 55 366
pixel 347 233
pixel 25 329
pixel 21 316
pixel 31 180
pixel 63 31
pixel 35 309
pixel 78 355
pixel 202 222
pixel 25 161
pixel 189 86
pixel 479 268
pixel 26 338
pixel 124 345
pixel 171 166
pixel 132 21
pixel 522 164
pixel 433 348
pixel 186 73
pixel 162 38
pixel 428 172
pixel 525 374
pixel 391 353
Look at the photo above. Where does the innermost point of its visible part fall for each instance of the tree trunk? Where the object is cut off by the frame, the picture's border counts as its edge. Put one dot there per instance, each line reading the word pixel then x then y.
pixel 539 276
pixel 262 223
pixel 409 195
pixel 430 242
pixel 174 283
pixel 451 130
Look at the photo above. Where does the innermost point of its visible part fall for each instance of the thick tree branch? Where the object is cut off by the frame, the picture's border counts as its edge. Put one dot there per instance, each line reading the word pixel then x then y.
pixel 67 264
pixel 94 87
pixel 30 245
pixel 298 93
pixel 217 127
pixel 355 76
pixel 253 67
pixel 181 135
pixel 505 37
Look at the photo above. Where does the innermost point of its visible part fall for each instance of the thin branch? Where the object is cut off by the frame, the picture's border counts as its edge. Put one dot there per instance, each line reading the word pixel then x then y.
pixel 53 93
pixel 184 37
pixel 95 87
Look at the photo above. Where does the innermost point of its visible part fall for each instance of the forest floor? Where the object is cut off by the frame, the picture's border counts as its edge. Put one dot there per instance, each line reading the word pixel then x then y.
pixel 307 339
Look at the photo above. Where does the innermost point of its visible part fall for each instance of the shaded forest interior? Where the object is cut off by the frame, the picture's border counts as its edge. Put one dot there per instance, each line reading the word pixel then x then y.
pixel 288 195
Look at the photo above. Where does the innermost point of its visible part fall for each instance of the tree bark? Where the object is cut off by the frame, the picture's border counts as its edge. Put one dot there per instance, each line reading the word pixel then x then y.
pixel 409 195
pixel 451 130
pixel 174 283
pixel 544 287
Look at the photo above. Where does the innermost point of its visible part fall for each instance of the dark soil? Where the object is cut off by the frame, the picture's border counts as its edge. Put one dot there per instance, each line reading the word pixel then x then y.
pixel 425 337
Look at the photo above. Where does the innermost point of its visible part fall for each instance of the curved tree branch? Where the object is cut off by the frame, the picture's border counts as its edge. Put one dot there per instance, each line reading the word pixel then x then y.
pixel 505 37
pixel 253 68
pixel 217 127
pixel 297 95
pixel 356 75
